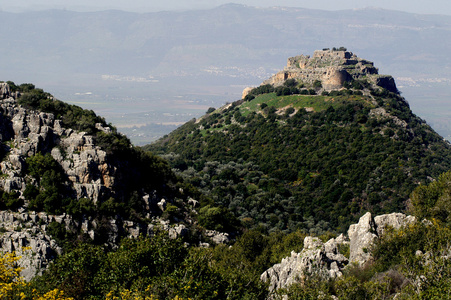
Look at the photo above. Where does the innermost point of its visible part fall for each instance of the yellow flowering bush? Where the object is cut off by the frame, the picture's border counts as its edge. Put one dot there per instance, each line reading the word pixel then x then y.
pixel 13 286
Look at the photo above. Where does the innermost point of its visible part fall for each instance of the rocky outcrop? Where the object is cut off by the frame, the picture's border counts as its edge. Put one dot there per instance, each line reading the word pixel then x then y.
pixel 88 173
pixel 362 234
pixel 27 132
pixel 316 259
pixel 217 237
pixel 25 234
pixel 332 68
pixel 325 260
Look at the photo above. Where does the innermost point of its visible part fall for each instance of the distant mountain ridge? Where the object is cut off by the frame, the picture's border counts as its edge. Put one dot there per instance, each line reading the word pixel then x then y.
pixel 129 61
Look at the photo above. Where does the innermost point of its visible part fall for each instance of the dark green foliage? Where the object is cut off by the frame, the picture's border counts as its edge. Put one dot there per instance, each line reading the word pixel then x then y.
pixel 48 194
pixel 218 218
pixel 290 82
pixel 76 273
pixel 317 84
pixel 10 200
pixel 433 200
pixel 159 266
pixel 81 207
pixel 59 233
pixel 339 49
pixel 263 89
pixel 314 170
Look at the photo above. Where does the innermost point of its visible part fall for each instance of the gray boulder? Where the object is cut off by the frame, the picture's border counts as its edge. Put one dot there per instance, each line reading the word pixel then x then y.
pixel 218 237
pixel 362 235
pixel 316 258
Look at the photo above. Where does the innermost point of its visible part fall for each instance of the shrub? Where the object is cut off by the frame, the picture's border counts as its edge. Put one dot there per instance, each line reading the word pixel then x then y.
pixel 290 82
pixel 317 84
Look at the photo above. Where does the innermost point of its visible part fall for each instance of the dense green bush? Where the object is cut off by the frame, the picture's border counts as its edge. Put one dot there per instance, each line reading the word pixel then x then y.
pixel 159 266
pixel 433 200
pixel 49 192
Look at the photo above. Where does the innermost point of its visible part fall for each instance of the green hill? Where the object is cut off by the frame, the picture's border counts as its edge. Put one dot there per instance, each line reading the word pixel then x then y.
pixel 295 155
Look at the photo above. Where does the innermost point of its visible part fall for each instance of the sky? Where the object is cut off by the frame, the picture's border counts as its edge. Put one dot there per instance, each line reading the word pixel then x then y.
pixel 413 6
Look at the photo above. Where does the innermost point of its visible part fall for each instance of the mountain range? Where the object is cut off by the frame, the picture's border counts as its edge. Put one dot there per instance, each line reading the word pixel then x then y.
pixel 124 65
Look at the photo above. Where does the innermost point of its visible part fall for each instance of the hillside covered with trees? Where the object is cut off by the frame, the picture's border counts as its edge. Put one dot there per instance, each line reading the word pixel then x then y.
pixel 307 153
pixel 297 156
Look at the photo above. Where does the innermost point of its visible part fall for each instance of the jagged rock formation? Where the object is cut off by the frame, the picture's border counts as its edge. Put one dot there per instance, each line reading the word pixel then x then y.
pixel 28 132
pixel 332 68
pixel 317 258
pixel 324 259
pixel 89 173
pixel 362 234
pixel 25 234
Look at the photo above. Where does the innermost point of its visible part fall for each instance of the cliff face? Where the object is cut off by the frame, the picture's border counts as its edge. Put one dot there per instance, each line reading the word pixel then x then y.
pixel 24 133
pixel 88 174
pixel 332 68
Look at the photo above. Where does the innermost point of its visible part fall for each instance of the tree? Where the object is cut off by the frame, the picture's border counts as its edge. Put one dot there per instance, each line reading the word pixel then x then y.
pixel 433 200
pixel 317 84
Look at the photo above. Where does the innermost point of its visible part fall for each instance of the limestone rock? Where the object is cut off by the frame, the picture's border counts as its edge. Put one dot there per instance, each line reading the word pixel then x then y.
pixel 361 236
pixel 316 258
pixel 32 243
pixel 325 260
pixel 246 92
pixel 162 204
pixel 218 237
pixel 5 91
pixel 394 220
pixel 178 231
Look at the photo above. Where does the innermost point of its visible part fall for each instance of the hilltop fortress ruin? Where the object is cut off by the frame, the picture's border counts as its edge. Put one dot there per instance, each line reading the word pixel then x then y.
pixel 332 68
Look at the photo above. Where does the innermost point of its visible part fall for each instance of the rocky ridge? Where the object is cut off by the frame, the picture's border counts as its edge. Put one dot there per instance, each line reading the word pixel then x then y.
pixel 24 133
pixel 325 259
pixel 90 174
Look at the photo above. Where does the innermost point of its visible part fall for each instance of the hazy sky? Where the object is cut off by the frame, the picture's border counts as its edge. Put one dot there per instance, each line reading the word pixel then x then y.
pixel 415 6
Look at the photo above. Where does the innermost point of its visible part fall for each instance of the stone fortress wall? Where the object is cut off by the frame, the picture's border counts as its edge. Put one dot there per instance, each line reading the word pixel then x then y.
pixel 332 68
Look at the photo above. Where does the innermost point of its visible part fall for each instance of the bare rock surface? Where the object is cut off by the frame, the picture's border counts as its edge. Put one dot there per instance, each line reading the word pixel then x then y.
pixel 316 258
pixel 362 234
pixel 325 260
pixel 27 132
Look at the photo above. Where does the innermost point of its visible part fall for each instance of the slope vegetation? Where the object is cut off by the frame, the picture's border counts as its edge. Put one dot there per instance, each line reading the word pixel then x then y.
pixel 294 155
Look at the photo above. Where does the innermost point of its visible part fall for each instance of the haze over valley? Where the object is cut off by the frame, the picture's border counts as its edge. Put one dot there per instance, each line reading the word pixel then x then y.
pixel 149 72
